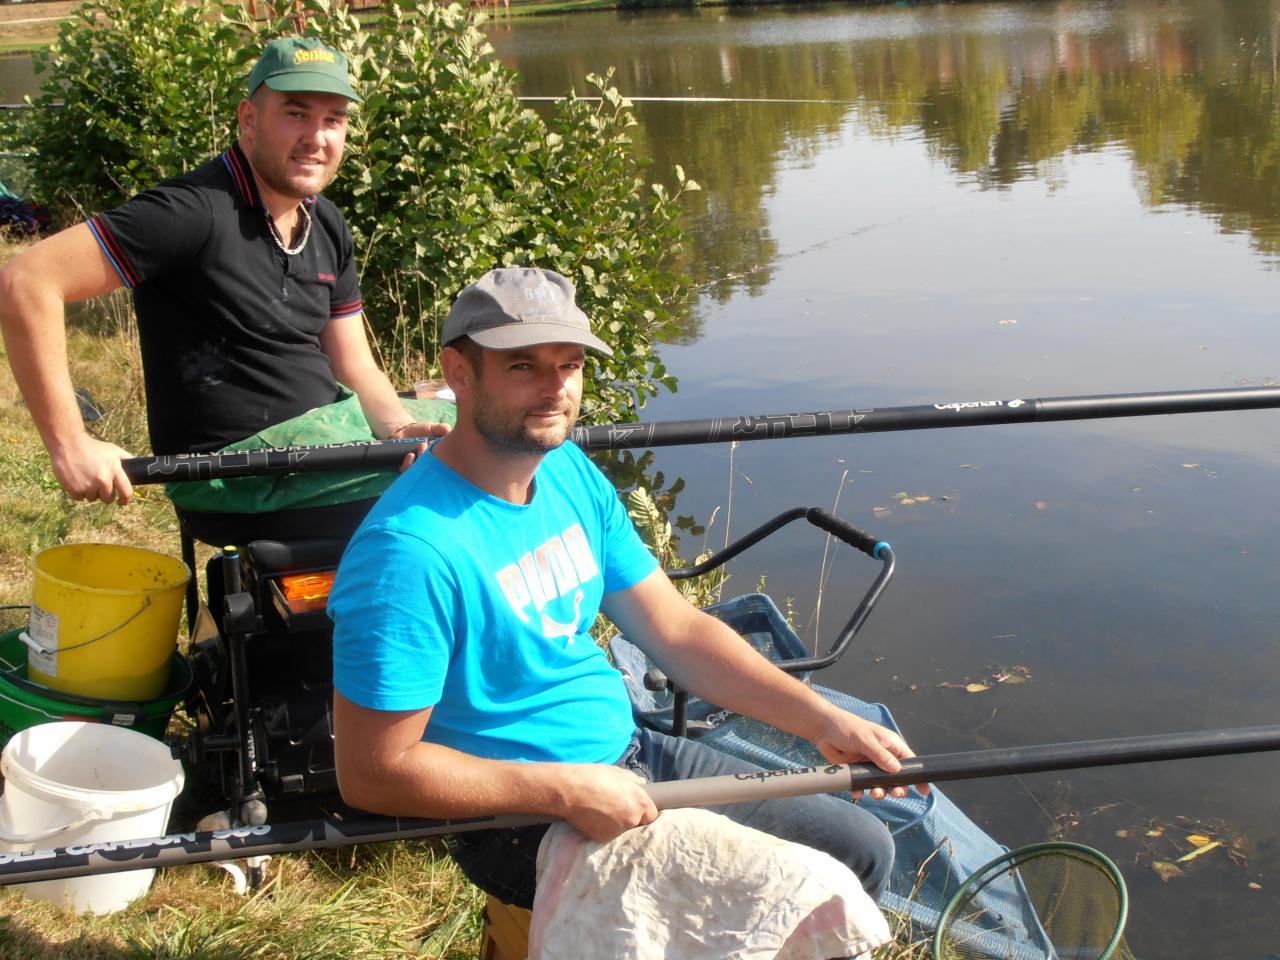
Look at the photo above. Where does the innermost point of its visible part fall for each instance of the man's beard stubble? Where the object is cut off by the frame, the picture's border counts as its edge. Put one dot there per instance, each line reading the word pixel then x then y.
pixel 509 433
pixel 273 171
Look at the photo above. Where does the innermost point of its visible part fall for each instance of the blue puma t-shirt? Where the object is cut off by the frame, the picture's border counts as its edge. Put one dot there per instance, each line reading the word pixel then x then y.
pixel 448 597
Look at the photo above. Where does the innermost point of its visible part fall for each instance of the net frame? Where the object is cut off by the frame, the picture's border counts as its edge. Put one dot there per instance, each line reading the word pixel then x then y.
pixel 989 872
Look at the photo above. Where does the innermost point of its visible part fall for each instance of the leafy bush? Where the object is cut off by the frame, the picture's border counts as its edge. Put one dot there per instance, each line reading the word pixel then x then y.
pixel 134 92
pixel 446 174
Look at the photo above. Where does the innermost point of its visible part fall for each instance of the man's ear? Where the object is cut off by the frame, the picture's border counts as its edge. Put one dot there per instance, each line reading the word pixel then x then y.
pixel 247 114
pixel 457 370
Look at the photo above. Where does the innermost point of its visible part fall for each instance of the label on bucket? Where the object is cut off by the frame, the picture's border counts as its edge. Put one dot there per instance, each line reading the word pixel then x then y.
pixel 43 629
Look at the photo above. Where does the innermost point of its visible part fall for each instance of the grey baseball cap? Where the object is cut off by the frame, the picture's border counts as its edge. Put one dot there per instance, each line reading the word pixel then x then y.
pixel 514 307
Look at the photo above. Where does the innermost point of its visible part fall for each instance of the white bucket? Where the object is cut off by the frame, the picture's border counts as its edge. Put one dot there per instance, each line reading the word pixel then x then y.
pixel 76 783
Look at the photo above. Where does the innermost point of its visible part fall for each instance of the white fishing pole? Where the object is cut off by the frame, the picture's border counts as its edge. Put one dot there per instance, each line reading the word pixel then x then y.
pixel 180 849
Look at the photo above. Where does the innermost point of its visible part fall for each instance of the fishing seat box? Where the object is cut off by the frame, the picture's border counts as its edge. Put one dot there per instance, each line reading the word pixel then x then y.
pixel 506 932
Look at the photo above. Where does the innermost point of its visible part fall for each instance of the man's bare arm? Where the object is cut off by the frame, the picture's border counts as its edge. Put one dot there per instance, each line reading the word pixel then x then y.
pixel 35 288
pixel 706 657
pixel 347 347
pixel 385 767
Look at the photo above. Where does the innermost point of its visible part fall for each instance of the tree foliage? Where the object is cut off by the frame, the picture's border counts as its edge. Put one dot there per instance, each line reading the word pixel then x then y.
pixel 446 174
pixel 133 92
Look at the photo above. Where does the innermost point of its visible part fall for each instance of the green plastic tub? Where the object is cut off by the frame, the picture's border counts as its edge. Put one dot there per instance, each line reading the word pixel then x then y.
pixel 24 704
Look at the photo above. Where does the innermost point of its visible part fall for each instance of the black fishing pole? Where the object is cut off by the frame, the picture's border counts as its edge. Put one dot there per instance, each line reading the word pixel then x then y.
pixel 967 413
pixel 377 454
pixel 180 849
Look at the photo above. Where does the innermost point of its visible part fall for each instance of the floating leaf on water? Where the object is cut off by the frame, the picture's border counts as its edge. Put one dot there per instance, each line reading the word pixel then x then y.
pixel 976 687
pixel 1191 466
pixel 906 501
pixel 1157 832
pixel 901 495
pixel 921 498
pixel 1196 840
pixel 1136 489
pixel 967 466
pixel 1014 678
pixel 1166 871
pixel 880 511
pixel 1254 886
pixel 1021 668
pixel 1041 505
pixel 1006 323
pixel 1122 833
pixel 1199 850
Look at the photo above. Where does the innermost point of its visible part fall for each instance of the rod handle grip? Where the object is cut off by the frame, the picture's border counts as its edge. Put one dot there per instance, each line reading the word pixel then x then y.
pixel 844 530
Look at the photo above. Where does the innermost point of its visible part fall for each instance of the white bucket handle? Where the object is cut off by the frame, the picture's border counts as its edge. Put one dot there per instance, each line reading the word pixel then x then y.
pixel 84 817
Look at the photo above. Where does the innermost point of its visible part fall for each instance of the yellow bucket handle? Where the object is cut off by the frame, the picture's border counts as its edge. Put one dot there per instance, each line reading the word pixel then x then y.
pixel 35 645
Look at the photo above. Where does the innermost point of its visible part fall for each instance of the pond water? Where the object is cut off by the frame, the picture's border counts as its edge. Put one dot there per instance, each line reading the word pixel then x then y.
pixel 990 201
pixel 909 205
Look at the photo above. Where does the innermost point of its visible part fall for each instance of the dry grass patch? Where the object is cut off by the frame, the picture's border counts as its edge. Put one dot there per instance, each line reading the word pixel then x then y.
pixel 374 903
pixel 103 355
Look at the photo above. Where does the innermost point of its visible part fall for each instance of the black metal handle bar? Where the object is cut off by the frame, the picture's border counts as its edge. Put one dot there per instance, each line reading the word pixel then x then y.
pixel 844 531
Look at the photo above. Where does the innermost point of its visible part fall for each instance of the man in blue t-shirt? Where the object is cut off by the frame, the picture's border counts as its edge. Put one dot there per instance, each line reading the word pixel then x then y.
pixel 467 683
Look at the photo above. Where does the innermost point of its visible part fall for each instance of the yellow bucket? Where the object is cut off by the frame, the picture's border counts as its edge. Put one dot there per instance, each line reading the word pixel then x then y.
pixel 104 620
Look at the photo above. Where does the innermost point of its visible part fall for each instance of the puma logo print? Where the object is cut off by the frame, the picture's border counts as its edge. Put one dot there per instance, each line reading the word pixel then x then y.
pixel 551 629
pixel 561 565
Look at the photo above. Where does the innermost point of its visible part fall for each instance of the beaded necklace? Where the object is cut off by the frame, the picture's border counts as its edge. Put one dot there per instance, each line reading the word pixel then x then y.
pixel 279 240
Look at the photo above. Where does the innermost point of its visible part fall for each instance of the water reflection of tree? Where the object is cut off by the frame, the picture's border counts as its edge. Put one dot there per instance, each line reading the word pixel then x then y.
pixel 733 249
pixel 1187 90
pixel 1193 104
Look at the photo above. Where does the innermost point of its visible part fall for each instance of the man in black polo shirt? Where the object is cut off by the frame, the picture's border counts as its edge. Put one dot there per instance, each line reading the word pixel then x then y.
pixel 244 283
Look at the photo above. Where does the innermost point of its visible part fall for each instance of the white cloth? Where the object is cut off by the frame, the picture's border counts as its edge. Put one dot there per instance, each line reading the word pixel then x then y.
pixel 695 885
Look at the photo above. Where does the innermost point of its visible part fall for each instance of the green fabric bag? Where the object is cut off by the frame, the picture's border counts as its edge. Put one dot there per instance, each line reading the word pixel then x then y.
pixel 338 422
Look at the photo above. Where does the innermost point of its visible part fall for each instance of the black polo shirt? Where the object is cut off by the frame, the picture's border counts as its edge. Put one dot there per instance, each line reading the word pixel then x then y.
pixel 229 323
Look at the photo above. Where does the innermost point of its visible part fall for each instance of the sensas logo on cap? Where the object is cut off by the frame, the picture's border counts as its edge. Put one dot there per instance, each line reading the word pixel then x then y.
pixel 314 56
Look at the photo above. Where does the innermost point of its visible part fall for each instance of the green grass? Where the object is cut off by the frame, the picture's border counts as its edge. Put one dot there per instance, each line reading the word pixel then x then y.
pixel 530 8
pixel 376 902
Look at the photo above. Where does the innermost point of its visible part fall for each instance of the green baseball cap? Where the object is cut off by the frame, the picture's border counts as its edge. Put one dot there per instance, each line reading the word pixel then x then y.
pixel 302 65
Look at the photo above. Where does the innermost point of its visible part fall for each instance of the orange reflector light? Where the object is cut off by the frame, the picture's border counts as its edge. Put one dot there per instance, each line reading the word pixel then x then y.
pixel 304 592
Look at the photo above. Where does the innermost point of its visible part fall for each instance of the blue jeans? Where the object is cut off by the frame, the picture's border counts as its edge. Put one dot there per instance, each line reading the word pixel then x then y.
pixel 503 862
